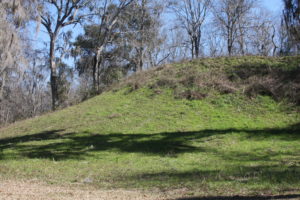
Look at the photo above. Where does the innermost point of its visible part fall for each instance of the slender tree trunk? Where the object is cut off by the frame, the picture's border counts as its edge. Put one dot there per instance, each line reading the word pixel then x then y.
pixel 229 41
pixel 229 46
pixel 198 43
pixel 241 40
pixel 2 85
pixel 193 48
pixel 142 32
pixel 99 74
pixel 141 62
pixel 242 48
pixel 98 63
pixel 197 48
pixel 53 75
pixel 95 74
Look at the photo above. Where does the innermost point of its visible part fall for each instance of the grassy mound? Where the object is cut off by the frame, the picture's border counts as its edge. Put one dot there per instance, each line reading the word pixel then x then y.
pixel 191 125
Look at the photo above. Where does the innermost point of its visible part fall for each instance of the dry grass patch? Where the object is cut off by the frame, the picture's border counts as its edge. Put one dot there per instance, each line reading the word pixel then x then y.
pixel 29 190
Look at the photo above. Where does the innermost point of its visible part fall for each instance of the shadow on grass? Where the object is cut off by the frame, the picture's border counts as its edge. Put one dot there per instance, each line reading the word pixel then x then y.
pixel 58 145
pixel 61 146
pixel 240 175
pixel 281 197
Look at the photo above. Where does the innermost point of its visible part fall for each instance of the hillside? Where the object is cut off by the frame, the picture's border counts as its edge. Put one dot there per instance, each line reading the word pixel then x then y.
pixel 223 126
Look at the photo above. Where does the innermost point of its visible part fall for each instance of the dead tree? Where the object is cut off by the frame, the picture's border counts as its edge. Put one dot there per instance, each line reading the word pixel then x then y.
pixel 191 15
pixel 230 17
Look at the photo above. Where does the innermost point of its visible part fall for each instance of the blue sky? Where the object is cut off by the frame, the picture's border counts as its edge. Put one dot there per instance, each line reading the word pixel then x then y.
pixel 273 5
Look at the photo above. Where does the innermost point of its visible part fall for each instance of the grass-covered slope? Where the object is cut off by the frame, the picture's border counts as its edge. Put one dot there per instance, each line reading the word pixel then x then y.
pixel 199 125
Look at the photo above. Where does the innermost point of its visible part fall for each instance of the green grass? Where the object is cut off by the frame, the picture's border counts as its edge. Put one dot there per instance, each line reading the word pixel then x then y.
pixel 223 144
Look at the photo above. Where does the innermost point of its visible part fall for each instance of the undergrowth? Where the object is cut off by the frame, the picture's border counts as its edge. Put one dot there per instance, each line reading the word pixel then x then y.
pixel 278 78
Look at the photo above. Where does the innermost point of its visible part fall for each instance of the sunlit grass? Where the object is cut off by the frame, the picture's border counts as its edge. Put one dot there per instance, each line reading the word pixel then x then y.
pixel 223 144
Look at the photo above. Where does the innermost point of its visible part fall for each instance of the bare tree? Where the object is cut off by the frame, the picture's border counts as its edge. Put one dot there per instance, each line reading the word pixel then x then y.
pixel 263 34
pixel 191 15
pixel 230 16
pixel 177 49
pixel 213 41
pixel 35 92
pixel 56 15
pixel 13 17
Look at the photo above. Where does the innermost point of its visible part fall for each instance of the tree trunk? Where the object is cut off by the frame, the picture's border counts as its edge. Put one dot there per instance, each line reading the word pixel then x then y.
pixel 241 40
pixel 98 63
pixel 95 74
pixel 229 47
pixel 142 29
pixel 197 48
pixel 198 42
pixel 193 48
pixel 2 85
pixel 229 41
pixel 141 59
pixel 99 74
pixel 53 75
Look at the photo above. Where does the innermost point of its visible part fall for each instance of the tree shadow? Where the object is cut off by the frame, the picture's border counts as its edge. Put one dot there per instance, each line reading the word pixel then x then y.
pixel 240 174
pixel 53 145
pixel 58 145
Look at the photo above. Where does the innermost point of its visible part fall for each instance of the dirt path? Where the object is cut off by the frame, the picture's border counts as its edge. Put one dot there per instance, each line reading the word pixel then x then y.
pixel 13 190
pixel 33 190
